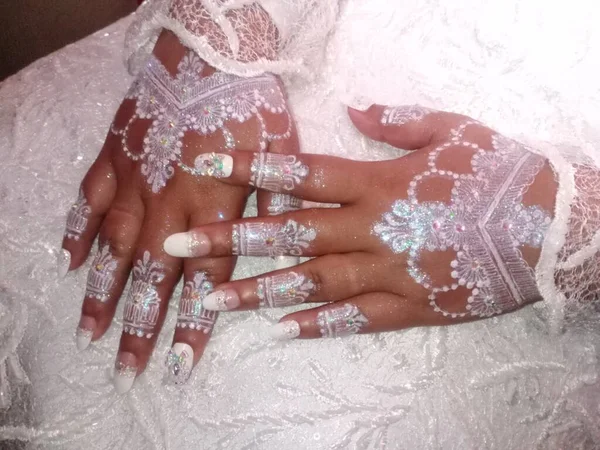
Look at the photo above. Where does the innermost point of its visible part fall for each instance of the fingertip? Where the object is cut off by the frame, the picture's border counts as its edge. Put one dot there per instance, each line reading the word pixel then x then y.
pixel 367 122
pixel 63 263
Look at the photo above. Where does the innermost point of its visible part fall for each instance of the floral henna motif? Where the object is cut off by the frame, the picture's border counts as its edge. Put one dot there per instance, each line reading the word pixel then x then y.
pixel 277 173
pixel 271 239
pixel 401 115
pixel 143 302
pixel 191 313
pixel 287 289
pixel 101 276
pixel 190 102
pixel 77 219
pixel 341 321
pixel 485 223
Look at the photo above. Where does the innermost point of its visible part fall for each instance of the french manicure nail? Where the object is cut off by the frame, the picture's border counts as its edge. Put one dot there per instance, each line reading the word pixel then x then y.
pixel 285 331
pixel 285 262
pixel 125 372
pixel 180 361
pixel 216 165
pixel 85 332
pixel 63 262
pixel 189 244
pixel 222 300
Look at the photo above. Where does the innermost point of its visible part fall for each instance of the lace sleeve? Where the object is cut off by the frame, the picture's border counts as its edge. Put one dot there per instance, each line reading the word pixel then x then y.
pixel 568 272
pixel 243 37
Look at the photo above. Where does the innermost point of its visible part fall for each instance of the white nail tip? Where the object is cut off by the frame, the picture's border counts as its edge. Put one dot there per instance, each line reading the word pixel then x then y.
pixel 180 362
pixel 215 301
pixel 123 383
pixel 285 262
pixel 83 339
pixel 177 245
pixel 216 165
pixel 285 331
pixel 63 262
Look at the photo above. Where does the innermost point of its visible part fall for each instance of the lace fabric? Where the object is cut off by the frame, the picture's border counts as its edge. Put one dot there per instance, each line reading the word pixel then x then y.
pixel 503 383
pixel 242 37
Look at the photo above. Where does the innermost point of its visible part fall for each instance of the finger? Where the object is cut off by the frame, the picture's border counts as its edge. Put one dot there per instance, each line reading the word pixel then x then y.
pixel 155 275
pixel 273 204
pixel 194 323
pixel 110 268
pixel 308 232
pixel 405 127
pixel 85 216
pixel 367 313
pixel 326 279
pixel 318 178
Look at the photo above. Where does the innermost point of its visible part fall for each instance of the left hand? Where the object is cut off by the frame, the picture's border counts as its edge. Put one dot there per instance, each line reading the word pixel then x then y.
pixel 449 233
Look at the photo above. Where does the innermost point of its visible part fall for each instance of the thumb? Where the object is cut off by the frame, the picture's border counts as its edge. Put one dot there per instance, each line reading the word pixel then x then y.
pixel 405 127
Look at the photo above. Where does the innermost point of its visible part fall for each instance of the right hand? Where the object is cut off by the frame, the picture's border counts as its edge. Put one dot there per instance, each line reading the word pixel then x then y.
pixel 146 184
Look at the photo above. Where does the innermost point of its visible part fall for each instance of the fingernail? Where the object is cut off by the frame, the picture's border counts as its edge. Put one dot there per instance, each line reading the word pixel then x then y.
pixel 285 262
pixel 222 300
pixel 180 361
pixel 85 332
pixel 216 165
pixel 285 331
pixel 366 123
pixel 63 262
pixel 190 244
pixel 125 372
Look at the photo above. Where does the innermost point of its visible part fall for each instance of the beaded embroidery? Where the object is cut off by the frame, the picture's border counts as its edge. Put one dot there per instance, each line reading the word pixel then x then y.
pixel 485 223
pixel 190 102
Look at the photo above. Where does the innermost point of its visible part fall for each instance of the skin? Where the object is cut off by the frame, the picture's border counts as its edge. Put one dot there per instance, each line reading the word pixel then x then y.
pixel 132 219
pixel 351 264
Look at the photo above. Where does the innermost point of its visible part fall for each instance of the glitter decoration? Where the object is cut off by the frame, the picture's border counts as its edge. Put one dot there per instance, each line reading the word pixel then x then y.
pixel 210 165
pixel 77 219
pixel 341 321
pixel 277 173
pixel 190 102
pixel 401 115
pixel 286 289
pixel 271 239
pixel 281 203
pixel 101 275
pixel 179 366
pixel 485 223
pixel 191 313
pixel 143 302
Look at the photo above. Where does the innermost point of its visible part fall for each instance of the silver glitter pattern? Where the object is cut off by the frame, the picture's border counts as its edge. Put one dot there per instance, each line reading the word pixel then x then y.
pixel 210 165
pixel 401 115
pixel 271 239
pixel 286 289
pixel 341 321
pixel 179 367
pixel 277 173
pixel 191 313
pixel 485 223
pixel 77 219
pixel 281 203
pixel 190 102
pixel 143 302
pixel 101 275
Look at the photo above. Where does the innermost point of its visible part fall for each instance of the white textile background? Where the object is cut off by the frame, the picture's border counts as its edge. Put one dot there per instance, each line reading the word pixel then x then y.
pixel 524 68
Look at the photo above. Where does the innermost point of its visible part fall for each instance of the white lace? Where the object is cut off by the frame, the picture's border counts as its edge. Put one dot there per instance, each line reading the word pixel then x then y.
pixel 525 68
pixel 243 37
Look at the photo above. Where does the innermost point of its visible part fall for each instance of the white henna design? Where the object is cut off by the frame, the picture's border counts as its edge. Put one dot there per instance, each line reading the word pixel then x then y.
pixel 485 223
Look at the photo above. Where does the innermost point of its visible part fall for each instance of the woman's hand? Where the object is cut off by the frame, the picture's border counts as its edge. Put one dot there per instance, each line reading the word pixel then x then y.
pixel 148 182
pixel 448 233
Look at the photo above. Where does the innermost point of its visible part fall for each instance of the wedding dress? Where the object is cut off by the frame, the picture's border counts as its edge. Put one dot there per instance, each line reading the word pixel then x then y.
pixel 521 381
